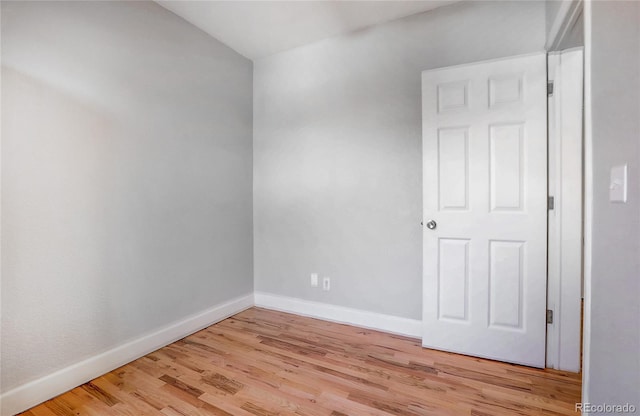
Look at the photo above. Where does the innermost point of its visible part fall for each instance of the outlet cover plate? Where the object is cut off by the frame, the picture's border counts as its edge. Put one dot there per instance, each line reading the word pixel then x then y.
pixel 618 184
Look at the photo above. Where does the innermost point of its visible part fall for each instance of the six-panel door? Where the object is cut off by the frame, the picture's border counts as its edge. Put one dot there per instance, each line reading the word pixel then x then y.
pixel 485 185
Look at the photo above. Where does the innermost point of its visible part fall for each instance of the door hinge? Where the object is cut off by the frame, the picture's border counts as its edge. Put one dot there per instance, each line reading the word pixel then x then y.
pixel 550 88
pixel 551 203
pixel 549 316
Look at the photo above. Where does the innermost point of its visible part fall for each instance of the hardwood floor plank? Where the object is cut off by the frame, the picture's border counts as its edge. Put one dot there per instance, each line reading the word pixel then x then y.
pixel 100 394
pixel 40 411
pixel 264 363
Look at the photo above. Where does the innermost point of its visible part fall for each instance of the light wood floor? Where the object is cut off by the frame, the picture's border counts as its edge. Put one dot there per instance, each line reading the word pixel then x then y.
pixel 262 362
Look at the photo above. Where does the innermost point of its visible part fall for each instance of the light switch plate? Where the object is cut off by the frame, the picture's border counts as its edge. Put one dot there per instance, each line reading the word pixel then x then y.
pixel 618 184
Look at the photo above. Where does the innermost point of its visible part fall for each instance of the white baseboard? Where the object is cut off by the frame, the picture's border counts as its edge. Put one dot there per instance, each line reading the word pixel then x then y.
pixel 341 314
pixel 30 394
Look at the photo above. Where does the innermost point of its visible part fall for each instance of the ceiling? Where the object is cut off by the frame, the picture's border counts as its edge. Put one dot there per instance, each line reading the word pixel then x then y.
pixel 260 28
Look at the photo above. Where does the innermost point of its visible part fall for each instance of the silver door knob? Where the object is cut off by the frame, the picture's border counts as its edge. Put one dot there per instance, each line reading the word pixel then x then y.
pixel 432 225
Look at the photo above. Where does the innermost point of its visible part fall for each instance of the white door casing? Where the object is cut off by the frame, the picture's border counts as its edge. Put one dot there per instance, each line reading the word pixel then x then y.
pixel 564 285
pixel 485 185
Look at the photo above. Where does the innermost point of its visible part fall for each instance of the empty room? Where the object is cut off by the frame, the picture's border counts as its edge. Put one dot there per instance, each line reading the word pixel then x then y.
pixel 319 208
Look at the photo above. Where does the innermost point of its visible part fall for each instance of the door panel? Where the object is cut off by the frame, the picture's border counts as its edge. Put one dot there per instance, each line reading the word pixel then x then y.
pixel 506 165
pixel 453 168
pixel 453 299
pixel 505 281
pixel 485 175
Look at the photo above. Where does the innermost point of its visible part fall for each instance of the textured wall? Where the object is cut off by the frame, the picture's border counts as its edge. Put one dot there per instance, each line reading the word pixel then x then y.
pixel 614 359
pixel 338 157
pixel 126 178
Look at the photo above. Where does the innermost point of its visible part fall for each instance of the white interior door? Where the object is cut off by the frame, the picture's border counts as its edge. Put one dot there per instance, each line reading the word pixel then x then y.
pixel 485 191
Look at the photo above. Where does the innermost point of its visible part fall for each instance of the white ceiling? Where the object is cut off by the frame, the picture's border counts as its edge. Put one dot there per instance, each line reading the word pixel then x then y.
pixel 260 28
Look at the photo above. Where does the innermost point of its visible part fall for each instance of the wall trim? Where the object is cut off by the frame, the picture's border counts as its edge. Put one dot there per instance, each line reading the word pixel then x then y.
pixel 40 390
pixel 564 285
pixel 37 391
pixel 357 317
pixel 564 20
pixel 588 207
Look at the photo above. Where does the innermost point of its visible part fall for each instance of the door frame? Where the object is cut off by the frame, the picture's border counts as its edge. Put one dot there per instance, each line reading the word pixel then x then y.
pixel 564 339
pixel 564 275
pixel 566 17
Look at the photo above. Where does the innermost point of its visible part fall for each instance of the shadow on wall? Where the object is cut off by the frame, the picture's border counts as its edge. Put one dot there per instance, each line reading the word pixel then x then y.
pixel 127 163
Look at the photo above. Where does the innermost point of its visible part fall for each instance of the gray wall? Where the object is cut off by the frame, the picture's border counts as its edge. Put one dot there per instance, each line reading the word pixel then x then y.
pixel 337 151
pixel 575 36
pixel 552 7
pixel 126 178
pixel 614 360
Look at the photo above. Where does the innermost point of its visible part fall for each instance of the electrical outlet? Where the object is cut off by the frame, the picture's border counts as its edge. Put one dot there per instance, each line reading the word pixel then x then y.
pixel 326 284
pixel 314 279
pixel 618 186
